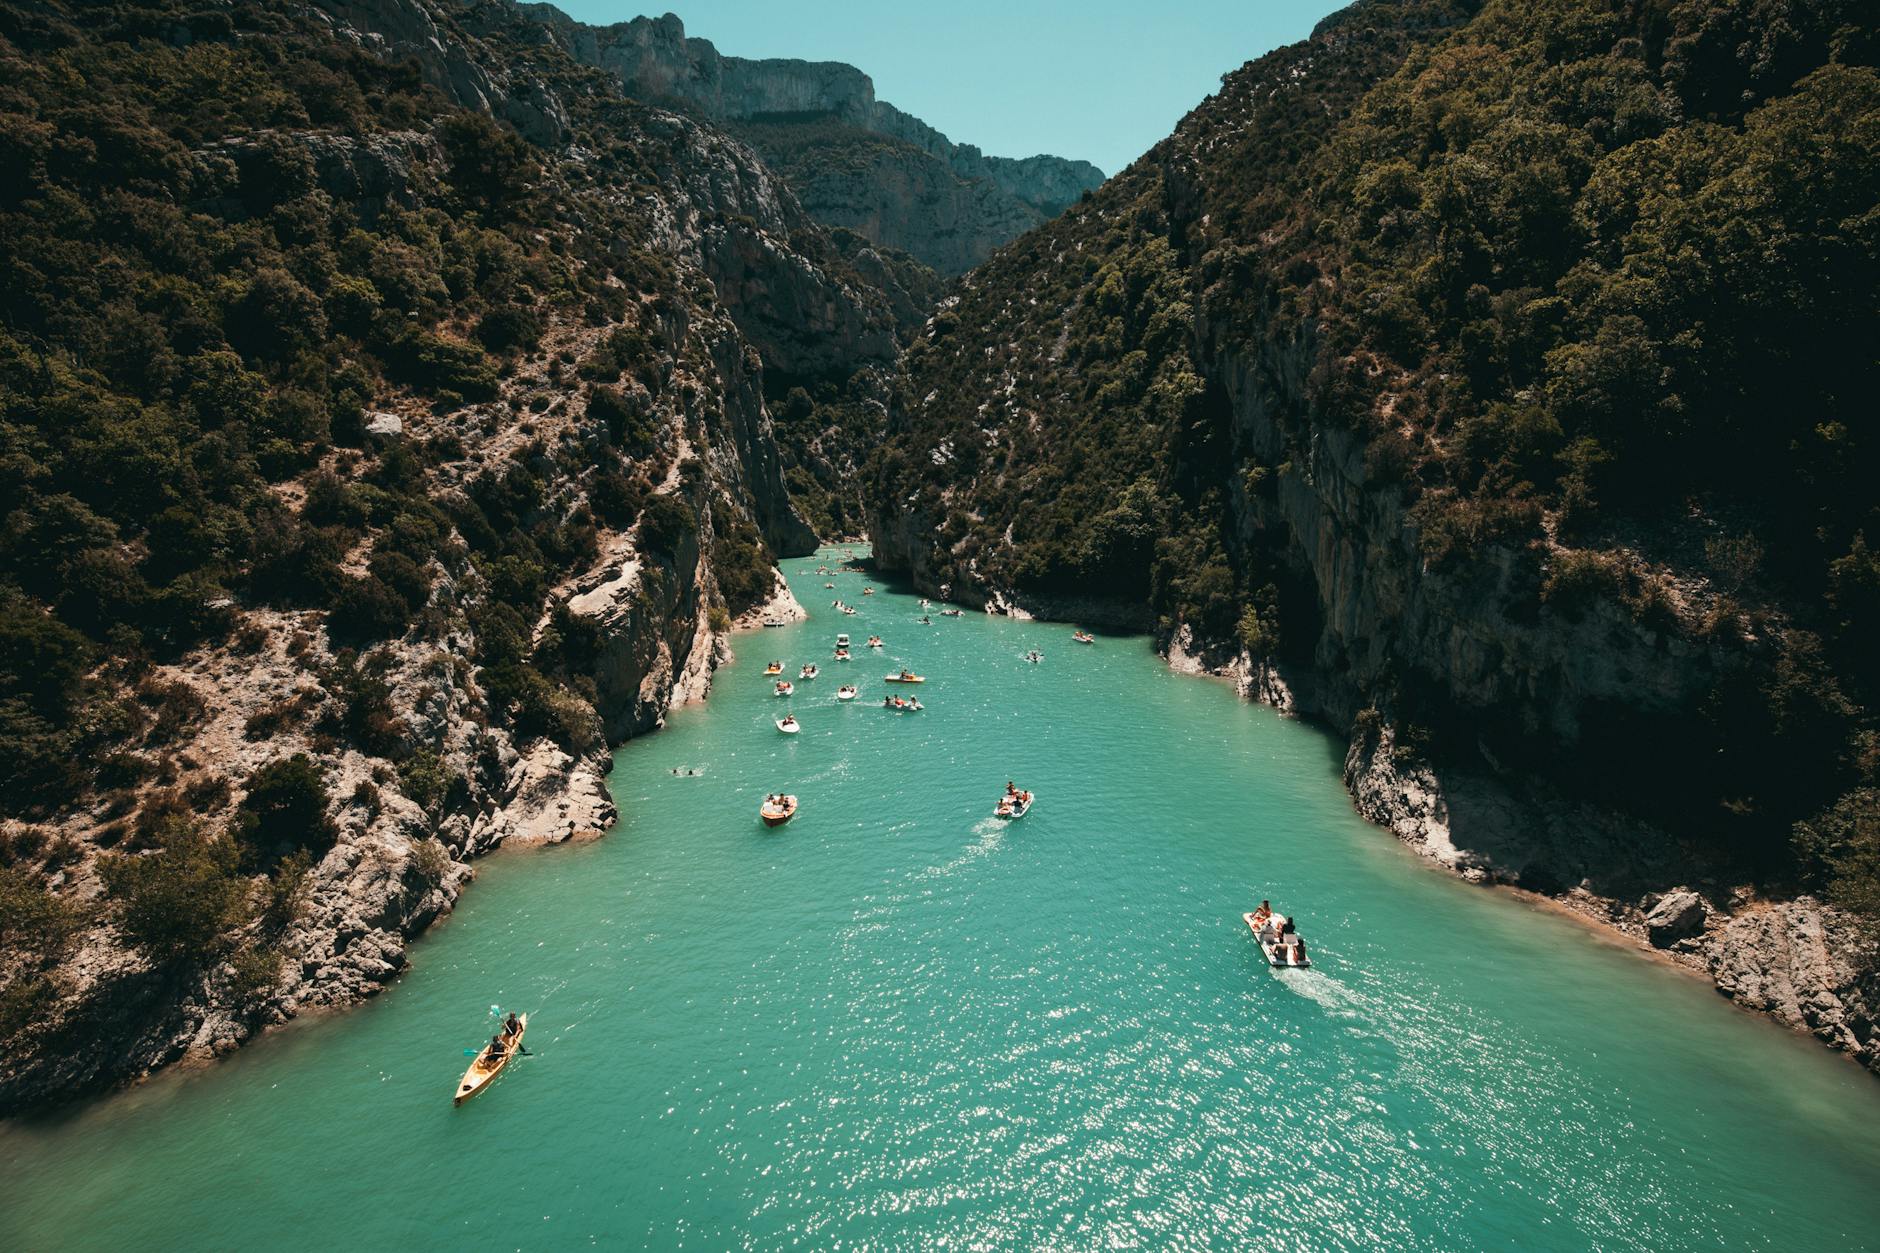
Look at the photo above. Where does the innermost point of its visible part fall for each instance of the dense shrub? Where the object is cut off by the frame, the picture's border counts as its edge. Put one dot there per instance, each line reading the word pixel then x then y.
pixel 665 525
pixel 285 810
pixel 1839 849
pixel 184 903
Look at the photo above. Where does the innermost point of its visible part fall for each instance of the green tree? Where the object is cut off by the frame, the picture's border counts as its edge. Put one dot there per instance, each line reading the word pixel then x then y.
pixel 285 809
pixel 184 903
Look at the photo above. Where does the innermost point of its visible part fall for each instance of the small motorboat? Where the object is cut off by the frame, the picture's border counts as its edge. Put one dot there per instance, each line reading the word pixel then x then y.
pixel 951 613
pixel 847 609
pixel 846 692
pixel 874 641
pixel 868 591
pixel 1013 805
pixel 1279 940
pixel 809 672
pixel 925 603
pixel 777 810
pixel 788 724
pixel 485 1068
pixel 906 676
pixel 902 706
pixel 1083 637
pixel 842 654
pixel 775 667
pixel 785 687
pixel 829 586
pixel 842 640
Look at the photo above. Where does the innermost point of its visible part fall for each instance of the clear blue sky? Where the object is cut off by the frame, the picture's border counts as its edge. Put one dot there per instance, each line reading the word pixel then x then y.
pixel 1097 79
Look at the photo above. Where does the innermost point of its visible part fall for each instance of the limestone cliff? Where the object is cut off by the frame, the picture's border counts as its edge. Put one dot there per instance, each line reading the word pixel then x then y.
pixel 578 522
pixel 854 161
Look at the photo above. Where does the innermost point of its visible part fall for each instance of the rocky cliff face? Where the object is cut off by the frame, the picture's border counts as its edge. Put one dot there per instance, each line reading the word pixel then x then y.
pixel 632 438
pixel 854 161
pixel 1152 395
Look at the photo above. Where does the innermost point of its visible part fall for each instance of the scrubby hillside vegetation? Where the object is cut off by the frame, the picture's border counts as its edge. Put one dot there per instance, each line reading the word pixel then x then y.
pixel 382 435
pixel 1508 367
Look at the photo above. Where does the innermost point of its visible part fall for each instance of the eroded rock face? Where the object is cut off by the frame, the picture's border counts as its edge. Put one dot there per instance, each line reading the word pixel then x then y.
pixel 1804 965
pixel 407 29
pixel 947 204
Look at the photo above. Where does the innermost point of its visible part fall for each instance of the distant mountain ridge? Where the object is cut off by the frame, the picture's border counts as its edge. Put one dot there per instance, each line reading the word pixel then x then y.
pixel 946 203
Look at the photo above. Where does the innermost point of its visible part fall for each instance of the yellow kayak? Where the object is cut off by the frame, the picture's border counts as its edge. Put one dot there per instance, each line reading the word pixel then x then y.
pixel 483 1069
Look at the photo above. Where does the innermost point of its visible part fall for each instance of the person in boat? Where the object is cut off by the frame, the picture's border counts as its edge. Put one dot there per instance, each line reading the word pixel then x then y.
pixel 498 1049
pixel 1261 914
pixel 1299 951
pixel 512 1026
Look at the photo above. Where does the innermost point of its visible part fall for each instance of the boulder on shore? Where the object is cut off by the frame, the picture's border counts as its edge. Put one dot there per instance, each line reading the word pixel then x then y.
pixel 1678 915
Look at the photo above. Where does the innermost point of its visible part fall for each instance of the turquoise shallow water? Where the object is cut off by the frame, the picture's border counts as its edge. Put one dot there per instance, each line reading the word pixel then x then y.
pixel 897 1023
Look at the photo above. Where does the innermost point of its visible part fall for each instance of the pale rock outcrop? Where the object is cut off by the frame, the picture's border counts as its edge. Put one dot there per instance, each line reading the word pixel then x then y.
pixel 1678 915
pixel 552 797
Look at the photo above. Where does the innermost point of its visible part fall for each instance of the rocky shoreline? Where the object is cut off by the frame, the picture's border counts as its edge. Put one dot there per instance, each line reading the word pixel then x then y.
pixel 1807 965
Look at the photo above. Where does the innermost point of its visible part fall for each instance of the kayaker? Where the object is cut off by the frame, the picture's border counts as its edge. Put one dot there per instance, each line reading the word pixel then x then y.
pixel 496 1050
pixel 511 1025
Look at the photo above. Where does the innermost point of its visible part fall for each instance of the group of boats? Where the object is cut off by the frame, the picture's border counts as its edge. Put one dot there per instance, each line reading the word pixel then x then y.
pixel 1276 934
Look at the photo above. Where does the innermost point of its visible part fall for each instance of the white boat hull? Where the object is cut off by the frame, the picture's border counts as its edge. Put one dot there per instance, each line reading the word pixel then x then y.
pixel 1277 954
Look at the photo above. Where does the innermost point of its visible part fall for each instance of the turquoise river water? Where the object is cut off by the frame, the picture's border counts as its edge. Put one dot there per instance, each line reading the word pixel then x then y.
pixel 898 1023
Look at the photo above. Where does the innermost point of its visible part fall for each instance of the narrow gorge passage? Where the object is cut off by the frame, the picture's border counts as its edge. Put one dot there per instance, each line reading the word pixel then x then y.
pixel 895 1021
